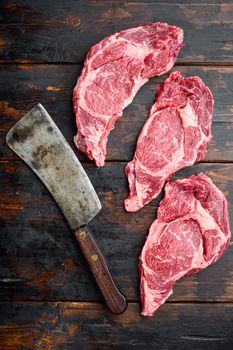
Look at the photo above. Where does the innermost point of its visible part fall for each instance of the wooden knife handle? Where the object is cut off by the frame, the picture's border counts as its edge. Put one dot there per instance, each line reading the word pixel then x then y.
pixel 98 265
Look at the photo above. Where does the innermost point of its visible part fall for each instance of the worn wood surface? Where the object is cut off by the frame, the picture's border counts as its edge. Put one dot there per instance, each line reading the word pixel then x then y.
pixel 114 299
pixel 48 299
pixel 22 86
pixel 38 249
pixel 45 32
pixel 72 326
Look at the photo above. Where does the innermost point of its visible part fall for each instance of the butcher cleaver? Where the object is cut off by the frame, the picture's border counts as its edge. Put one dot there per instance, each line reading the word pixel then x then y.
pixel 38 141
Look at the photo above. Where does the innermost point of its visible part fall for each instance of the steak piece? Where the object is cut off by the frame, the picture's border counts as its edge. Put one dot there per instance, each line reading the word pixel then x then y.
pixel 113 72
pixel 190 233
pixel 175 135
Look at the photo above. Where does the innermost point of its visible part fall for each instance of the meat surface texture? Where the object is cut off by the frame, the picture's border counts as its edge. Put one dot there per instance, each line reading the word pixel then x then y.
pixel 190 233
pixel 175 135
pixel 113 72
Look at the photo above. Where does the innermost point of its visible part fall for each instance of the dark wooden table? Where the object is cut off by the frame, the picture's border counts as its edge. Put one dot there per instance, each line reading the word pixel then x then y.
pixel 48 299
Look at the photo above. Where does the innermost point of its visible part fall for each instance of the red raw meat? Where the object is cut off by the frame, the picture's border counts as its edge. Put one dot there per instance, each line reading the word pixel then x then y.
pixel 175 135
pixel 113 72
pixel 191 232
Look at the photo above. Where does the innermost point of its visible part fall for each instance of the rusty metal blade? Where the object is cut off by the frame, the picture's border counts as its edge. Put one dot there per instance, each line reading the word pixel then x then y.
pixel 38 141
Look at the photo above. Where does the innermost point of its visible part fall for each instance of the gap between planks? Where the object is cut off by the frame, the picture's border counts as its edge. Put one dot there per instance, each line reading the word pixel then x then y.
pixel 99 302
pixel 86 161
pixel 35 62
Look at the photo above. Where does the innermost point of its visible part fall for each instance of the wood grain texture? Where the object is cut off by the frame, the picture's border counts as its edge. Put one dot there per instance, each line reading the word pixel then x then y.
pixel 22 86
pixel 39 31
pixel 71 326
pixel 40 260
pixel 97 263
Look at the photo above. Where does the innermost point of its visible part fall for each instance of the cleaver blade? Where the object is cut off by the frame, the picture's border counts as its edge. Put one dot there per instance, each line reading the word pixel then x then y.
pixel 37 140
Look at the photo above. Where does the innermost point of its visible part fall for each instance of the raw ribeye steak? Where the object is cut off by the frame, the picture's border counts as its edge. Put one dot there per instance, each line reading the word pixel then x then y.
pixel 113 72
pixel 191 232
pixel 175 135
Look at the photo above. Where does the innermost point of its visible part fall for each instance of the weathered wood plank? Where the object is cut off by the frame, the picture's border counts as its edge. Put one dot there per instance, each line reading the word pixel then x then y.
pixel 40 31
pixel 22 86
pixel 71 326
pixel 40 260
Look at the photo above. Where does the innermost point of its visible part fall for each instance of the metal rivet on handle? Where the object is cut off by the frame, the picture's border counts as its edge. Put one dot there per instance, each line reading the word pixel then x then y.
pixel 82 234
pixel 94 257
